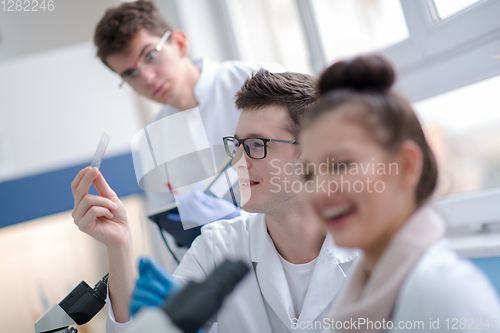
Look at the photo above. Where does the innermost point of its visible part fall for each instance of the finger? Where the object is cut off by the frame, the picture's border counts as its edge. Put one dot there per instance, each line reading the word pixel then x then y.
pixel 151 286
pixel 89 219
pixel 150 269
pixel 78 179
pixel 158 273
pixel 84 186
pixel 89 201
pixel 138 302
pixel 146 299
pixel 143 264
pixel 102 186
pixel 197 187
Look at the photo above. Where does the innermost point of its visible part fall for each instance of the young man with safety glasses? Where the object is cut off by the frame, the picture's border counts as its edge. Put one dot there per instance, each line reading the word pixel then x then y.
pixel 296 271
pixel 136 42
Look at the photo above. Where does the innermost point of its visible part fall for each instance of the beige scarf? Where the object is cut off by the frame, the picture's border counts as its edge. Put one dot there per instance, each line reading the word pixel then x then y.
pixel 373 297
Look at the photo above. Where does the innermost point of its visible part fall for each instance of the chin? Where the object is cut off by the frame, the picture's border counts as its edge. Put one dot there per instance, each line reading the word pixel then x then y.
pixel 252 207
pixel 344 238
pixel 248 208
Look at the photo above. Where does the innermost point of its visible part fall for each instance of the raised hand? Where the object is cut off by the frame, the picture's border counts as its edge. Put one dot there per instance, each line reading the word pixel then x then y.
pixel 102 217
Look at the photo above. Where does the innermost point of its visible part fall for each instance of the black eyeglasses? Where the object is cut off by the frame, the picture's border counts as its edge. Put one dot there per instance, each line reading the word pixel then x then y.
pixel 255 148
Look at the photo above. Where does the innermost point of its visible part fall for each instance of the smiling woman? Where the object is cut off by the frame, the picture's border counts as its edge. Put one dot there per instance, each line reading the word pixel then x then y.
pixel 407 272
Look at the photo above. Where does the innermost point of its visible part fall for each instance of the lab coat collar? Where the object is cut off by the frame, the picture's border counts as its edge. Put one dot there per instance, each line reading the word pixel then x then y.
pixel 258 230
pixel 269 271
pixel 326 280
pixel 202 89
pixel 259 236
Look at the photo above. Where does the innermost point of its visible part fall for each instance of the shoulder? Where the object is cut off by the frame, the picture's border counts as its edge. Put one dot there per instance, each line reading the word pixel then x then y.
pixel 218 241
pixel 442 283
pixel 165 111
pixel 443 271
pixel 234 231
pixel 240 70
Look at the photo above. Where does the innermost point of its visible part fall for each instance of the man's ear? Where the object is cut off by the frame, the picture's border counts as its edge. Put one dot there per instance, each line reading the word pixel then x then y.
pixel 411 161
pixel 179 39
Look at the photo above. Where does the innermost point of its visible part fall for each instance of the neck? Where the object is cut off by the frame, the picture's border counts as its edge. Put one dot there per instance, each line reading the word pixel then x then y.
pixel 186 99
pixel 373 252
pixel 297 234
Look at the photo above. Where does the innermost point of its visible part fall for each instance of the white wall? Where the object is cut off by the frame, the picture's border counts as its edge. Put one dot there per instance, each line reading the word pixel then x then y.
pixel 56 97
pixel 54 106
pixel 71 22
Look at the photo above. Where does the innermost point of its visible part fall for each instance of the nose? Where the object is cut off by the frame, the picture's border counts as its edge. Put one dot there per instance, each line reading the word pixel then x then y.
pixel 148 75
pixel 241 160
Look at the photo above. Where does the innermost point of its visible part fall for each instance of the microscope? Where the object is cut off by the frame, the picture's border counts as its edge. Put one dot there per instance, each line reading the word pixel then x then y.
pixel 184 312
pixel 78 307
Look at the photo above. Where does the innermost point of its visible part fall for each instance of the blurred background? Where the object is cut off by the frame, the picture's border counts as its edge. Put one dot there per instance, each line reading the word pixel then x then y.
pixel 56 98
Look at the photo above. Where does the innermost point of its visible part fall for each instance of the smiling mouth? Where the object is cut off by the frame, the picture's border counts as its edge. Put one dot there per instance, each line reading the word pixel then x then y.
pixel 249 183
pixel 336 213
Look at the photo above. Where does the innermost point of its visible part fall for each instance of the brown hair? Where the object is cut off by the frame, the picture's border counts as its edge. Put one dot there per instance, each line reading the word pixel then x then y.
pixel 293 91
pixel 367 80
pixel 120 24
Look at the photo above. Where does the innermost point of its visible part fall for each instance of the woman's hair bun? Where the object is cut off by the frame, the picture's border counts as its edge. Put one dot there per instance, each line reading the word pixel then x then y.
pixel 362 73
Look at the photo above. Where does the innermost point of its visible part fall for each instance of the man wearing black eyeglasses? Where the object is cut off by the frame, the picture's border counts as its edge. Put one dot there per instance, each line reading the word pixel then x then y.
pixel 297 272
pixel 151 57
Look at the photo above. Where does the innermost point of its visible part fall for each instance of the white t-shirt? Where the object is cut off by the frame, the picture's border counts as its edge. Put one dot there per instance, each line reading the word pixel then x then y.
pixel 298 277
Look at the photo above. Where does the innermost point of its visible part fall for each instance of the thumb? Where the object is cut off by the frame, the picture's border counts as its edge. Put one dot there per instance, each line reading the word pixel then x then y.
pixel 143 264
pixel 102 186
pixel 197 187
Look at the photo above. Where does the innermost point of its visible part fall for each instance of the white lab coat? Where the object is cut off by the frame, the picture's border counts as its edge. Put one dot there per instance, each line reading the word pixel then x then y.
pixel 262 302
pixel 443 286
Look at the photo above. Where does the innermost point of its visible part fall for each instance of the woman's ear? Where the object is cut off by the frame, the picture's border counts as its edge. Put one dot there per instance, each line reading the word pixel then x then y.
pixel 179 39
pixel 412 162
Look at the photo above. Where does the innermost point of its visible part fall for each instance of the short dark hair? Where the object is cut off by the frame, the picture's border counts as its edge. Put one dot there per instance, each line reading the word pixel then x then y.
pixel 293 91
pixel 367 80
pixel 120 24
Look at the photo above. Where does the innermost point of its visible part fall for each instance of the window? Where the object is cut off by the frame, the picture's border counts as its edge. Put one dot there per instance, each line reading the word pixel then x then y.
pixel 463 127
pixel 358 26
pixel 271 31
pixel 446 52
pixel 447 8
pixel 437 56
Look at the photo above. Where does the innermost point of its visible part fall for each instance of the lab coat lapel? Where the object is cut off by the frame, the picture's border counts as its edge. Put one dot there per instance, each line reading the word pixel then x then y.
pixel 270 275
pixel 326 280
pixel 203 89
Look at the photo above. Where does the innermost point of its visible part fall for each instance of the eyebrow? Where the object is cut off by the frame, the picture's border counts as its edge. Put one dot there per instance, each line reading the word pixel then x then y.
pixel 253 135
pixel 129 70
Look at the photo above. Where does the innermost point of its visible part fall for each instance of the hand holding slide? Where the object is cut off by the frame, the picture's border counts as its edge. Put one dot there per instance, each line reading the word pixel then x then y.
pixel 102 217
pixel 101 149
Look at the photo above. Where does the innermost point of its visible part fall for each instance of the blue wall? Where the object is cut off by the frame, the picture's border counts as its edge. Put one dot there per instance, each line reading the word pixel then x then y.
pixel 491 266
pixel 49 193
